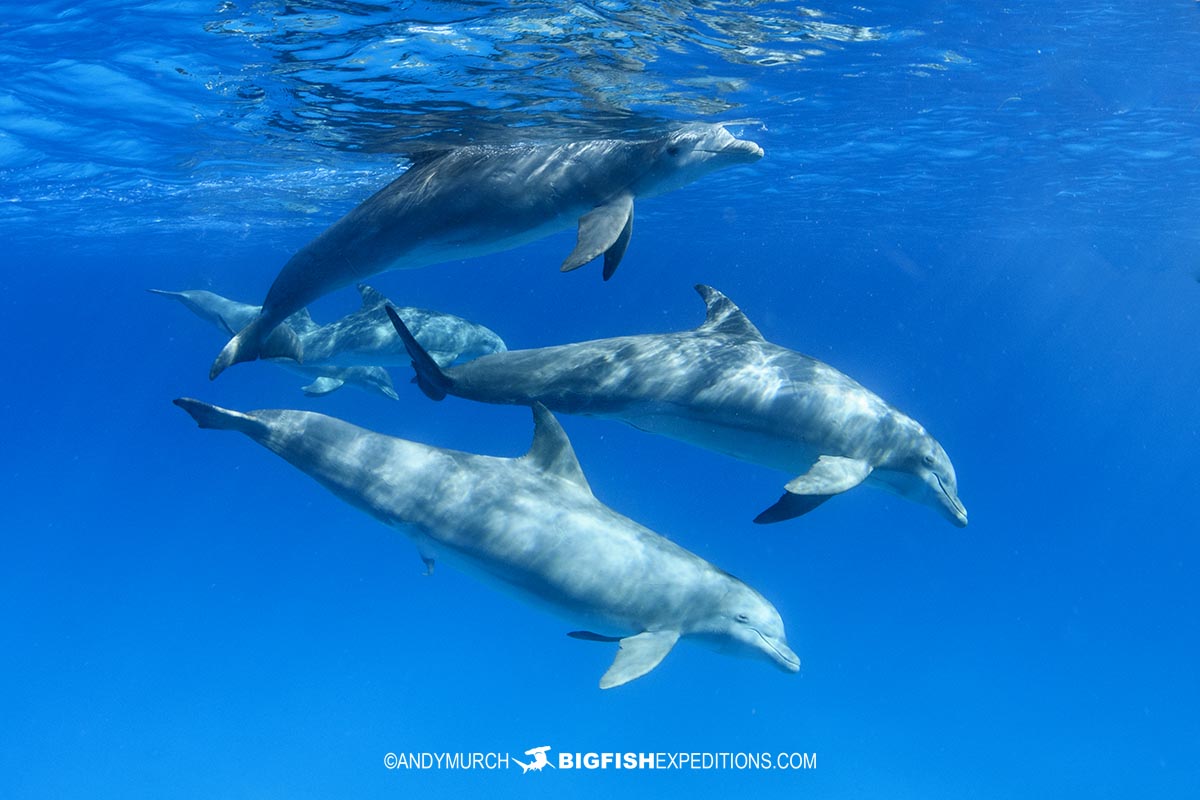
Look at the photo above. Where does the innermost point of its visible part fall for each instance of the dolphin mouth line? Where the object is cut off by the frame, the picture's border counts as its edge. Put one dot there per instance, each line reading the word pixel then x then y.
pixel 792 663
pixel 960 510
pixel 739 146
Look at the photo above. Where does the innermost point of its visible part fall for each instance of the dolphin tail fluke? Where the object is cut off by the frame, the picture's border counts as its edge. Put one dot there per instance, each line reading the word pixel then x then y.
pixel 217 418
pixel 249 344
pixel 283 343
pixel 433 381
pixel 241 347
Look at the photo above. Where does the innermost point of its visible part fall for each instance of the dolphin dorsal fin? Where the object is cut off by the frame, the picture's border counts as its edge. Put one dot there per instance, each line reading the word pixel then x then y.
pixel 302 321
pixel 551 451
pixel 370 297
pixel 723 315
pixel 421 158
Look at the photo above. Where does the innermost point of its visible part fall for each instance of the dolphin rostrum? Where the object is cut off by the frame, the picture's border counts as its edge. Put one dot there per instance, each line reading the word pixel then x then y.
pixel 532 525
pixel 476 200
pixel 722 386
pixel 356 348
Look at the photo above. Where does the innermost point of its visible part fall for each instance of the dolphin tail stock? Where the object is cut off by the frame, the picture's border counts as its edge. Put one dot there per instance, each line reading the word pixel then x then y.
pixel 250 344
pixel 430 378
pixel 222 419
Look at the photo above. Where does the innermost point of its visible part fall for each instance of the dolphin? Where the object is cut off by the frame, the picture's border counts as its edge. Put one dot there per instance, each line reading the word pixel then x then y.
pixel 532 525
pixel 356 348
pixel 724 387
pixel 476 200
pixel 366 337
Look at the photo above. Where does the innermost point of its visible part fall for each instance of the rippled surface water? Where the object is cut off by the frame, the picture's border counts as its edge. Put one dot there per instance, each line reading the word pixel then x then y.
pixel 157 105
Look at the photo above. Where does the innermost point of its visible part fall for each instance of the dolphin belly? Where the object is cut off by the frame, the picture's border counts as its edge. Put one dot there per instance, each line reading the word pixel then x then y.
pixel 464 243
pixel 766 448
pixel 577 609
pixel 567 554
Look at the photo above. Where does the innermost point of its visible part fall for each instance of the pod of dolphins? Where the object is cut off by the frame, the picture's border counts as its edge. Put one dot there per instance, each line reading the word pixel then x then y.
pixel 532 524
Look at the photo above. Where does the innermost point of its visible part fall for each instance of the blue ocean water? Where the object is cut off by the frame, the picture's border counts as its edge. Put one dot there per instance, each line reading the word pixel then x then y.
pixel 985 213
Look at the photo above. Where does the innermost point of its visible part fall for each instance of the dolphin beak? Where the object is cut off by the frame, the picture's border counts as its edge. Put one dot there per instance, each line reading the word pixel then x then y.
pixel 744 150
pixel 959 517
pixel 780 653
pixel 955 511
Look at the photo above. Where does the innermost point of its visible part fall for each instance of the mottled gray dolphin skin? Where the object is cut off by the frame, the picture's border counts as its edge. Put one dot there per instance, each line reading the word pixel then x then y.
pixel 230 315
pixel 722 386
pixel 532 525
pixel 357 347
pixel 367 337
pixel 476 200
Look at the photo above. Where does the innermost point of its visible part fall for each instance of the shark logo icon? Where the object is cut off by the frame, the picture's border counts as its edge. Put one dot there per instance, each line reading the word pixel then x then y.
pixel 539 759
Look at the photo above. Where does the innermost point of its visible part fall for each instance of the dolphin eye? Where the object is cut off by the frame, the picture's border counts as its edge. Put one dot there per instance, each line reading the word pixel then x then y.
pixel 673 150
pixel 742 618
pixel 929 460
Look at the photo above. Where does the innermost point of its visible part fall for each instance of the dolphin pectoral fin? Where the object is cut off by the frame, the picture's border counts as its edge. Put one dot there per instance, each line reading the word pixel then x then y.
pixel 589 636
pixel 601 229
pixel 427 553
pixel 637 656
pixel 791 506
pixel 831 475
pixel 376 378
pixel 614 254
pixel 322 386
